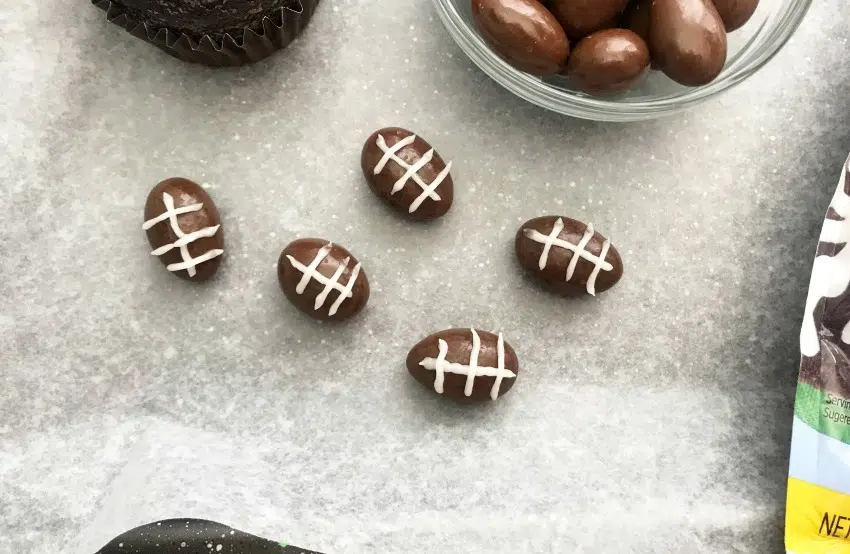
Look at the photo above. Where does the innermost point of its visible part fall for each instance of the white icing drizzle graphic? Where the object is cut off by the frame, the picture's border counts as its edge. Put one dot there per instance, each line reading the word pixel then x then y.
pixel 830 274
pixel 472 370
pixel 411 171
pixel 330 284
pixel 578 251
pixel 183 239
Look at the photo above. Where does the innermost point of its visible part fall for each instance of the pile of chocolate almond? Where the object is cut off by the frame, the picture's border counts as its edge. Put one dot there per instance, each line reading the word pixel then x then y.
pixel 606 46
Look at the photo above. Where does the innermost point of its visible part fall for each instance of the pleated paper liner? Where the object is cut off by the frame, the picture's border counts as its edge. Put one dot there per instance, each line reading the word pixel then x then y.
pixel 276 32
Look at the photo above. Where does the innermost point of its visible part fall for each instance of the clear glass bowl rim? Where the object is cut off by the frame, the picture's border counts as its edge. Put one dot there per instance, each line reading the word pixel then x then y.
pixel 552 98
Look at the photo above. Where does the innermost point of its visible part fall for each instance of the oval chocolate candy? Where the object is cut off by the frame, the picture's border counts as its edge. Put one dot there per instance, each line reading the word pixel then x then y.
pixel 687 39
pixel 608 61
pixel 579 18
pixel 322 279
pixel 466 365
pixel 735 13
pixel 568 255
pixel 406 173
pixel 184 229
pixel 524 33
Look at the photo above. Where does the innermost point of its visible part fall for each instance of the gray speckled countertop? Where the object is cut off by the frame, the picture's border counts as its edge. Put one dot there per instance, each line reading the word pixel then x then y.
pixel 653 419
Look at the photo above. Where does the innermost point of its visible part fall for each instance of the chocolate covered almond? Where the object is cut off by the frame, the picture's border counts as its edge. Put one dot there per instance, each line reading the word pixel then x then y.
pixel 608 61
pixel 184 229
pixel 579 18
pixel 466 365
pixel 322 279
pixel 687 40
pixel 569 256
pixel 404 171
pixel 735 13
pixel 524 33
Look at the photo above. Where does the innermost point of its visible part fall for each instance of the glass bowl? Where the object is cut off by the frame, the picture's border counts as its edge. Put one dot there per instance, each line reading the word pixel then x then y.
pixel 750 48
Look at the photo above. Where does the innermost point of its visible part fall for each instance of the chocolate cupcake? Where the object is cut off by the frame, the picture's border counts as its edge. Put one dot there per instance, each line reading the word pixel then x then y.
pixel 212 32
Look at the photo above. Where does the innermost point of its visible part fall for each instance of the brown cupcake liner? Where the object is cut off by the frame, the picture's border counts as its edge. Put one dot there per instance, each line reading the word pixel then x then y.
pixel 277 31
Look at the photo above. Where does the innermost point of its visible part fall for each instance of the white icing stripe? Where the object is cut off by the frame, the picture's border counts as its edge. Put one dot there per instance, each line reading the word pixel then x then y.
pixel 183 239
pixel 550 240
pixel 429 192
pixel 208 255
pixel 311 269
pixel 187 239
pixel 331 284
pixel 472 370
pixel 439 363
pixel 473 363
pixel 591 281
pixel 179 211
pixel 578 251
pixel 500 349
pixel 588 234
pixel 411 171
pixel 320 299
pixel 347 293
pixel 390 153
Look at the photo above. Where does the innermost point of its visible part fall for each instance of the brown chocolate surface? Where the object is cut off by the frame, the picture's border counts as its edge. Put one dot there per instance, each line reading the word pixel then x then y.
pixel 579 18
pixel 608 61
pixel 524 33
pixel 184 193
pixel 316 276
pixel 735 13
pixel 201 17
pixel 426 194
pixel 531 251
pixel 637 18
pixel 422 363
pixel 687 40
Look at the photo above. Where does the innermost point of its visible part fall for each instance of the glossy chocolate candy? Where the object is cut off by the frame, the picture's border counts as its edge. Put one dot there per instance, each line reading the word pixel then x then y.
pixel 608 61
pixel 322 279
pixel 466 365
pixel 184 229
pixel 569 256
pixel 524 33
pixel 404 171
pixel 687 40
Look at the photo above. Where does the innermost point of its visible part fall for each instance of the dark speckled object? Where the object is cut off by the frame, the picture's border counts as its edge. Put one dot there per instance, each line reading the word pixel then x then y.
pixel 194 536
pixel 213 32
pixel 205 17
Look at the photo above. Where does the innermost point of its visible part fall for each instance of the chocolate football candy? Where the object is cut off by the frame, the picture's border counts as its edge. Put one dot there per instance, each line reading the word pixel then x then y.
pixel 184 229
pixel 524 33
pixel 322 279
pixel 608 61
pixel 568 255
pixel 466 365
pixel 194 536
pixel 405 172
pixel 687 39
